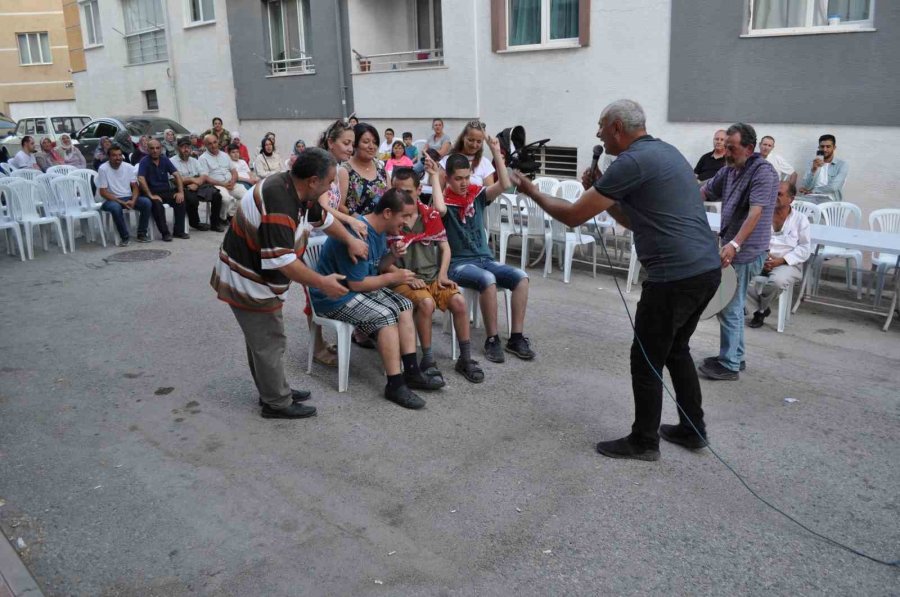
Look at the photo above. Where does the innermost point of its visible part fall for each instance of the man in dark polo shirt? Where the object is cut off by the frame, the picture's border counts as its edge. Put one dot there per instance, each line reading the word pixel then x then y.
pixel 260 256
pixel 712 162
pixel 651 189
pixel 154 170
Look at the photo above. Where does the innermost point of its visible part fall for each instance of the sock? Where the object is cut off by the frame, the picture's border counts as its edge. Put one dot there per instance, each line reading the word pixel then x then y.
pixel 494 338
pixel 465 351
pixel 395 381
pixel 515 336
pixel 409 363
pixel 427 356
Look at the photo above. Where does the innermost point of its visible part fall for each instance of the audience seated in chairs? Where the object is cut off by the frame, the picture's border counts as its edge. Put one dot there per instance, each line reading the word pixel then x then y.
pixel 432 288
pixel 48 157
pixel 153 178
pixel 371 306
pixel 788 250
pixel 216 166
pixel 196 189
pixel 117 184
pixel 827 174
pixel 267 162
pixel 25 158
pixel 245 177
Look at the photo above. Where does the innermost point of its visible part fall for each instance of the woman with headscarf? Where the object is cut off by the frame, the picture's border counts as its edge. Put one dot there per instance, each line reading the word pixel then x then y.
pixel 47 156
pixel 70 154
pixel 299 147
pixel 101 154
pixel 169 143
pixel 140 151
pixel 268 161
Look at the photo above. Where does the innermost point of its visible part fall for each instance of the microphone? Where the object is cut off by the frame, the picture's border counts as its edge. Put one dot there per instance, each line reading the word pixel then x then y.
pixel 598 151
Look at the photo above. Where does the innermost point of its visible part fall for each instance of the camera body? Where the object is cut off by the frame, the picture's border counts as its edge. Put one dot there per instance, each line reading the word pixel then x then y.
pixel 517 153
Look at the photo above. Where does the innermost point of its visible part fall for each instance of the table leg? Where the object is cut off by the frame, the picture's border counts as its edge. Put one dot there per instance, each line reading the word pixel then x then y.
pixel 804 281
pixel 890 315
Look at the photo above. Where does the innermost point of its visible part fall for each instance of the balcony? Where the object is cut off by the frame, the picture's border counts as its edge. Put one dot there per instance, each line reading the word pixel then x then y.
pixel 393 61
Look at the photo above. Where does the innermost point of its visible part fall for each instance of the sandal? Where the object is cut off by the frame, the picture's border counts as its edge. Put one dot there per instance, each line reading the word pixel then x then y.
pixel 362 340
pixel 470 370
pixel 432 372
pixel 327 359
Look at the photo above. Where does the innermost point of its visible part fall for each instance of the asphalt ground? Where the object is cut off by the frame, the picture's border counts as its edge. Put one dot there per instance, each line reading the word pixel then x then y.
pixel 133 460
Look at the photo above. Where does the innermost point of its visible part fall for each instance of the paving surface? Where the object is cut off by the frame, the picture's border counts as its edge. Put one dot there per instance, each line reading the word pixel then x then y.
pixel 133 460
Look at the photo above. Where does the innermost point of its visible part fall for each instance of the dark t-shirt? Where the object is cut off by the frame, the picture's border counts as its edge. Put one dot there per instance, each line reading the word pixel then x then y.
pixel 468 239
pixel 707 166
pixel 157 177
pixel 656 188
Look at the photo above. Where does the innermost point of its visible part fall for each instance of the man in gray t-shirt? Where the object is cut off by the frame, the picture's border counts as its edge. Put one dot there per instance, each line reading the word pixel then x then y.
pixel 651 189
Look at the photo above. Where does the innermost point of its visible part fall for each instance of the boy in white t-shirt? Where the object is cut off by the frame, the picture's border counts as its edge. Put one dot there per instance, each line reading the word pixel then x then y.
pixel 117 184
pixel 246 177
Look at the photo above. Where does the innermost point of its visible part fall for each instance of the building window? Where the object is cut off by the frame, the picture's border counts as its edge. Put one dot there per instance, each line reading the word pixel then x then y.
pixel 151 99
pixel 34 48
pixel 558 162
pixel 797 17
pixel 287 27
pixel 202 11
pixel 539 24
pixel 145 34
pixel 91 22
pixel 429 34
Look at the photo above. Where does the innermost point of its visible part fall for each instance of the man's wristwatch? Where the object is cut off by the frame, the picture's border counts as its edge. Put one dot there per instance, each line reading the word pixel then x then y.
pixel 737 247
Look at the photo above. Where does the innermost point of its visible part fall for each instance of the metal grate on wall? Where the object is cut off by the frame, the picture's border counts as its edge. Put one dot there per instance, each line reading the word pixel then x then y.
pixel 558 162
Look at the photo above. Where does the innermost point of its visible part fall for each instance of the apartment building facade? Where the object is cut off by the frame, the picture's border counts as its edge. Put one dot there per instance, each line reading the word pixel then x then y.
pixel 35 77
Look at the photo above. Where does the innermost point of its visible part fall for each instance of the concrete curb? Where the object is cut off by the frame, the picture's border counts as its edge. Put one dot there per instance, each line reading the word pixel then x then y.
pixel 15 579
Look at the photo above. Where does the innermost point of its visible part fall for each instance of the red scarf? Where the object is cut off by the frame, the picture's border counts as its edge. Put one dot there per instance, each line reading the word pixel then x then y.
pixel 433 228
pixel 466 204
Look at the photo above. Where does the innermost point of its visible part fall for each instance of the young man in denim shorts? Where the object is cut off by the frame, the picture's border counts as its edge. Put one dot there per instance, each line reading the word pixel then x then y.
pixel 472 264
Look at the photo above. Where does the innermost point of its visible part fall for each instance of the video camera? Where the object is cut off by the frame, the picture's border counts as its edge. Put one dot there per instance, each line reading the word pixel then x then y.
pixel 518 154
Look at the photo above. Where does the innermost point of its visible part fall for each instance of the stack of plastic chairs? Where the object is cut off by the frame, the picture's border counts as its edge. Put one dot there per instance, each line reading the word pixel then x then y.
pixel 78 203
pixel 25 212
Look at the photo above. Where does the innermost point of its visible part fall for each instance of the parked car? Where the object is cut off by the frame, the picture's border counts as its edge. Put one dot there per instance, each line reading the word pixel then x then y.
pixel 125 130
pixel 43 126
pixel 7 127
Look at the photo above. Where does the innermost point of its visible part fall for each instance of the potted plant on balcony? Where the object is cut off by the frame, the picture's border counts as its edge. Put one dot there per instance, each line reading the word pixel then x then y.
pixel 365 65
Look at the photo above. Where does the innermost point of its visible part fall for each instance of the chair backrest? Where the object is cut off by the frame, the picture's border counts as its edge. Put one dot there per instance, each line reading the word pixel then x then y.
pixel 61 170
pixel 810 210
pixel 44 181
pixel 10 181
pixel 885 220
pixel 313 250
pixel 26 173
pixel 24 197
pixel 53 206
pixel 66 190
pixel 570 190
pixel 421 145
pixel 841 214
pixel 536 219
pixel 547 185
pixel 85 195
pixel 7 169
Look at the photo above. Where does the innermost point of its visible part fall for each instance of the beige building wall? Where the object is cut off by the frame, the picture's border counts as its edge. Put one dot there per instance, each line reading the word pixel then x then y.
pixel 33 83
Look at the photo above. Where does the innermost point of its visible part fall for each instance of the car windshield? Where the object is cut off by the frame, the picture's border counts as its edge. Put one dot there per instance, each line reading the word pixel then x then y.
pixel 155 127
pixel 68 124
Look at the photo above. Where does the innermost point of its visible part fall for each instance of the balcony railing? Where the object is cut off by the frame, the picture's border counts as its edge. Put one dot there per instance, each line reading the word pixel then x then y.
pixel 291 66
pixel 411 59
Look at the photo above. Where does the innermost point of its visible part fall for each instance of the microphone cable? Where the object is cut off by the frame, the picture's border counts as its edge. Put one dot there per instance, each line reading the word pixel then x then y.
pixel 834 542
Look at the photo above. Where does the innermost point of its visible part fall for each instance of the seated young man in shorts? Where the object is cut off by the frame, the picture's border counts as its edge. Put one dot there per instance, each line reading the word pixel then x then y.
pixel 472 264
pixel 432 286
pixel 370 305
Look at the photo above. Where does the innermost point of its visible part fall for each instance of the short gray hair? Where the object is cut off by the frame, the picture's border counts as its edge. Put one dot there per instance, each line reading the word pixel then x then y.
pixel 628 112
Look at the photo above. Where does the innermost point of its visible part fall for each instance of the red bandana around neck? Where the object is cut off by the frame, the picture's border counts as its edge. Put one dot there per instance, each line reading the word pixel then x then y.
pixel 465 203
pixel 433 228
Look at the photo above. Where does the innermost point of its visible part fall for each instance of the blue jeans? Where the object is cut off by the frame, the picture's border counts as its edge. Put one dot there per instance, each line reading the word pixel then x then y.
pixel 117 210
pixel 731 318
pixel 481 273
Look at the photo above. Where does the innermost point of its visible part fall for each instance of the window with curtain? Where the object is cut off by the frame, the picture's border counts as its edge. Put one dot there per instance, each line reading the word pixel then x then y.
pixel 288 33
pixel 797 15
pixel 541 22
pixel 91 23
pixel 429 32
pixel 202 11
pixel 34 48
pixel 145 35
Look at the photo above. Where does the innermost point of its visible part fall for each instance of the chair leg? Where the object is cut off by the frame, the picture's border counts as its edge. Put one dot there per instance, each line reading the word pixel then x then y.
pixel 70 228
pixel 508 295
pixel 313 332
pixel 454 345
pixel 880 272
pixel 100 228
pixel 567 262
pixel 344 333
pixel 784 307
pixel 60 237
pixel 524 251
pixel 634 268
pixel 29 240
pixel 504 241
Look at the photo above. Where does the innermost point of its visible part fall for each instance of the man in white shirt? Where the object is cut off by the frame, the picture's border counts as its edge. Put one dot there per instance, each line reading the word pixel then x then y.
pixel 25 157
pixel 788 250
pixel 384 150
pixel 195 188
pixel 117 184
pixel 216 166
pixel 784 169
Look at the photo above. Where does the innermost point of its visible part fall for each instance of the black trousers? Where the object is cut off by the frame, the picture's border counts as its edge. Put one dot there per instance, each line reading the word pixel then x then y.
pixel 665 320
pixel 159 212
pixel 208 193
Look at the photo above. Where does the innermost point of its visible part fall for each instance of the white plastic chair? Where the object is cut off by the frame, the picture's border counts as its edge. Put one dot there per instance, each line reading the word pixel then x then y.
pixel 812 211
pixel 634 267
pixel 713 206
pixel 344 330
pixel 9 224
pixel 547 185
pixel 497 226
pixel 75 195
pixel 421 145
pixel 533 226
pixel 845 215
pixel 784 301
pixel 62 170
pixel 567 240
pixel 24 210
pixel 7 169
pixel 883 220
pixel 89 177
pixel 570 190
pixel 26 173
pixel 473 303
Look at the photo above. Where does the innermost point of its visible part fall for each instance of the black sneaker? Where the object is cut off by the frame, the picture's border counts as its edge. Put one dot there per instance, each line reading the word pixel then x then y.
pixel 217 228
pixel 201 227
pixel 758 318
pixel 294 411
pixel 626 448
pixel 143 238
pixel 711 360
pixel 296 396
pixel 718 371
pixel 419 381
pixel 404 397
pixel 521 347
pixel 683 436
pixel 182 235
pixel 167 238
pixel 125 242
pixel 493 351
pixel 470 370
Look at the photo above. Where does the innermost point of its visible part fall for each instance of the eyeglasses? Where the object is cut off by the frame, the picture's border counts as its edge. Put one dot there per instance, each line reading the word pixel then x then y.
pixel 476 124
